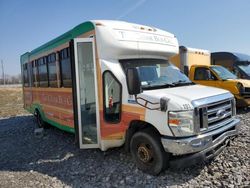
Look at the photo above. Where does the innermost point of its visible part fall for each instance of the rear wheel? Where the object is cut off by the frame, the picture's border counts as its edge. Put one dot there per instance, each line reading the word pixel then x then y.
pixel 147 151
pixel 39 120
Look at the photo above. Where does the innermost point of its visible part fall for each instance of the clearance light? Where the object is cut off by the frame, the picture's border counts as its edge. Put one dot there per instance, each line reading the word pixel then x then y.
pixel 99 24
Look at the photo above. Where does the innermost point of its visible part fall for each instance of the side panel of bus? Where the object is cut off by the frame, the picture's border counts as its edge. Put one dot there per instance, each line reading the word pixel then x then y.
pixel 46 93
pixel 107 123
pixel 54 103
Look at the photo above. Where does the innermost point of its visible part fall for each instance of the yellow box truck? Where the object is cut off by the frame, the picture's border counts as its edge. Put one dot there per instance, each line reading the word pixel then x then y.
pixel 190 56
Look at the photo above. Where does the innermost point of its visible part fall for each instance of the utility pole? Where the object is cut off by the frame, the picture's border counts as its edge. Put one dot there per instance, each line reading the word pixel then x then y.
pixel 3 76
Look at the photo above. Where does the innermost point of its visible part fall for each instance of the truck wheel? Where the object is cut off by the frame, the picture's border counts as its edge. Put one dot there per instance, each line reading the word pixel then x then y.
pixel 39 120
pixel 147 151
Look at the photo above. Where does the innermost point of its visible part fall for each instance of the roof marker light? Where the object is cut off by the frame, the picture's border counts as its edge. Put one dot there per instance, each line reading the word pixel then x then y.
pixel 99 24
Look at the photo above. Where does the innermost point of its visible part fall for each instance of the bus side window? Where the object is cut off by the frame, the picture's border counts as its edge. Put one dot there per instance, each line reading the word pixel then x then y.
pixel 65 65
pixel 25 75
pixel 43 72
pixel 34 73
pixel 112 98
pixel 52 70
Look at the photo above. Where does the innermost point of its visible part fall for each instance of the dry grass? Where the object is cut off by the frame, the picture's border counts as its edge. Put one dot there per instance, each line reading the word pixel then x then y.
pixel 11 102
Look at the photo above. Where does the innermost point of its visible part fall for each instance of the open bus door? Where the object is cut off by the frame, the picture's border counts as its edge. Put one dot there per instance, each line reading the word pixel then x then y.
pixel 86 93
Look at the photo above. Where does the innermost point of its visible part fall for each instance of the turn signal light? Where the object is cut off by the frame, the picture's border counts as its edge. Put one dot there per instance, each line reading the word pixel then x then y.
pixel 174 121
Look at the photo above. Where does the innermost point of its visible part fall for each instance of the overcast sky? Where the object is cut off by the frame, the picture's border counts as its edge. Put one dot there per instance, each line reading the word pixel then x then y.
pixel 215 25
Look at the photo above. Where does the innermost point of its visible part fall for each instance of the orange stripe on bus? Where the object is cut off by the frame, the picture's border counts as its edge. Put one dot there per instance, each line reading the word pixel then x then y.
pixel 108 130
pixel 133 109
pixel 58 109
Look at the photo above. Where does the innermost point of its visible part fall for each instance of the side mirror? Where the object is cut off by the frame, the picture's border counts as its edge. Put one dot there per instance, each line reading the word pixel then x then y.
pixel 133 81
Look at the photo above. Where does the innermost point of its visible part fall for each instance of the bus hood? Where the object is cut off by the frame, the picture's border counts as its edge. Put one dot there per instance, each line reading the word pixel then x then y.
pixel 183 95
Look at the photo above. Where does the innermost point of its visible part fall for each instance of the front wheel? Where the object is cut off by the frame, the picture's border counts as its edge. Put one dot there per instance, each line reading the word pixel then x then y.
pixel 147 151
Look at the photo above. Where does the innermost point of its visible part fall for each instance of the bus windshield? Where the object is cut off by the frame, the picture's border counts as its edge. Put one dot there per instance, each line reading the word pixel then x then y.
pixel 245 68
pixel 223 73
pixel 156 73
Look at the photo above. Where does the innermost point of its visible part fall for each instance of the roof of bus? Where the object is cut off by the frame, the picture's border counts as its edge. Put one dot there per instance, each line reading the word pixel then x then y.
pixel 231 55
pixel 76 31
pixel 88 26
pixel 122 25
pixel 242 57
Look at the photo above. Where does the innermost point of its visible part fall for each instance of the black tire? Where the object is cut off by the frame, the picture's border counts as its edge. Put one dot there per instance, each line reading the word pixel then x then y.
pixel 147 152
pixel 39 120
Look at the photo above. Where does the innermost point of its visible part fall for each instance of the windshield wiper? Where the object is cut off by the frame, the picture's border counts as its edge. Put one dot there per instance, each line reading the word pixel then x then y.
pixel 158 86
pixel 182 82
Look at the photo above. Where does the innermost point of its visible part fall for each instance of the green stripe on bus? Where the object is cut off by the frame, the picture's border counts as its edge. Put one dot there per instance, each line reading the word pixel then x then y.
pixel 51 122
pixel 59 126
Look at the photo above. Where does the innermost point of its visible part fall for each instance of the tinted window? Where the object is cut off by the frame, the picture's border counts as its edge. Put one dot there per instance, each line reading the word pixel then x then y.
pixel 202 73
pixel 112 98
pixel 25 75
pixel 65 67
pixel 52 70
pixel 42 71
pixel 245 68
pixel 35 74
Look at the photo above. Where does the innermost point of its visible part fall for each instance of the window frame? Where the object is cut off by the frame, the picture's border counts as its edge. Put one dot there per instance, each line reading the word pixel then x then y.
pixel 104 101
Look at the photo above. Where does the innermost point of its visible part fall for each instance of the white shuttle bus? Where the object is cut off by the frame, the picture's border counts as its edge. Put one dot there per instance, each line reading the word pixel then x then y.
pixel 111 84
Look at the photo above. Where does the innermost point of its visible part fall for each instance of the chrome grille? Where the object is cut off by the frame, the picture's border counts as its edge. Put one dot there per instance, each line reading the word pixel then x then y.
pixel 215 114
pixel 246 93
pixel 247 89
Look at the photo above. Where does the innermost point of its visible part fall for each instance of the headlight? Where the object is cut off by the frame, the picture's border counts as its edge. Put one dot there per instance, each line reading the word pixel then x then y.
pixel 181 123
pixel 240 87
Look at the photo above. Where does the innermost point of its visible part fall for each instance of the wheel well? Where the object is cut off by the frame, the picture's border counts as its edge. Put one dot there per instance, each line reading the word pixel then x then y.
pixel 135 126
pixel 36 111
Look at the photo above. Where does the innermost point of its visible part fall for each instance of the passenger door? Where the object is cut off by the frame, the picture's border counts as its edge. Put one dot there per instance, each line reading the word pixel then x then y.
pixel 86 89
pixel 204 76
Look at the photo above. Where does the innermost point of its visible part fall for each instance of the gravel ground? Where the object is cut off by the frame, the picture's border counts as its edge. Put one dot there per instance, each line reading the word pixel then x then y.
pixel 55 161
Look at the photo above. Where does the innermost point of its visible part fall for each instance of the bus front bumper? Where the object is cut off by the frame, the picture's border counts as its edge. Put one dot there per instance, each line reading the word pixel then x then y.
pixel 201 147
